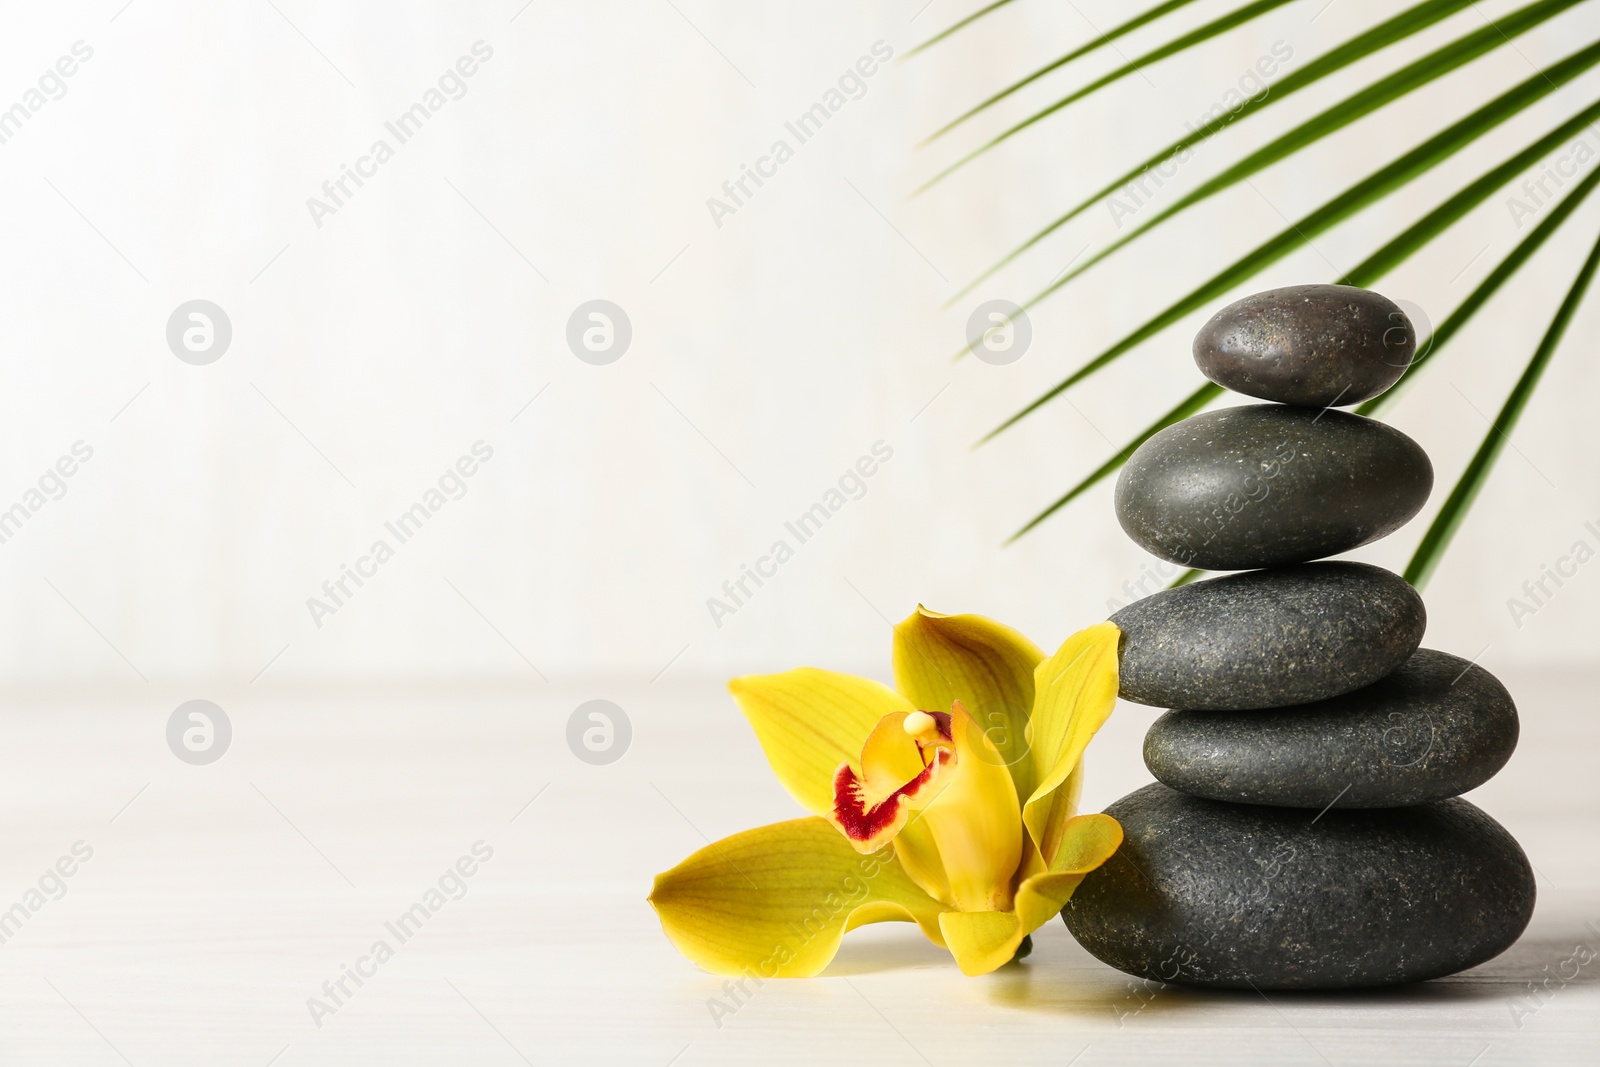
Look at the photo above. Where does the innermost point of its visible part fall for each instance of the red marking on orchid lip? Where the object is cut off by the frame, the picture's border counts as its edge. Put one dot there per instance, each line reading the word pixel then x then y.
pixel 861 823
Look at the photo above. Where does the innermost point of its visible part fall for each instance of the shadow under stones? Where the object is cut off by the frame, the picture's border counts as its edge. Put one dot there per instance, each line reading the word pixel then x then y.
pixel 1550 961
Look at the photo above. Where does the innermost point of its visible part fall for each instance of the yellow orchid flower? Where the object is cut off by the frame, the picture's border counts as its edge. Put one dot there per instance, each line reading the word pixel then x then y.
pixel 917 795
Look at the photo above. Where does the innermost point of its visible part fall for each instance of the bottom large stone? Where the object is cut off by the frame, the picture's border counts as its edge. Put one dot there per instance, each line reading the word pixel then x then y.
pixel 1237 896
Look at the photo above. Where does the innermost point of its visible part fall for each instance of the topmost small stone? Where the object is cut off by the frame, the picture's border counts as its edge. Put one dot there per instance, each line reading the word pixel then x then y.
pixel 1308 345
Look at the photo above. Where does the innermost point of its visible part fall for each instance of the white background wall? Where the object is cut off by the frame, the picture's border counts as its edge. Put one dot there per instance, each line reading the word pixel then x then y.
pixel 768 353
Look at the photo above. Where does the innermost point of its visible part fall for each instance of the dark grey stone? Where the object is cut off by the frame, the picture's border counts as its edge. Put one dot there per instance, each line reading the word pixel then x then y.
pixel 1265 485
pixel 1264 639
pixel 1435 728
pixel 1233 895
pixel 1311 345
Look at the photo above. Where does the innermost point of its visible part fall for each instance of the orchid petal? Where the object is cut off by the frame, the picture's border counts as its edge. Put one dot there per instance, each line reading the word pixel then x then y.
pixel 775 901
pixel 1087 841
pixel 1076 690
pixel 810 721
pixel 981 941
pixel 918 853
pixel 939 659
pixel 975 820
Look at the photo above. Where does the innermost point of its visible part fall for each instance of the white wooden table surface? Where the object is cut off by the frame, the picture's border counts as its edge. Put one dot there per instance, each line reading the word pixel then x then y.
pixel 219 898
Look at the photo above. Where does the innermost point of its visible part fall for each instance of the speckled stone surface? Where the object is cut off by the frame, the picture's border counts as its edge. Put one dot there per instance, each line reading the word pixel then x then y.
pixel 1233 896
pixel 1263 639
pixel 1433 729
pixel 1265 485
pixel 1311 345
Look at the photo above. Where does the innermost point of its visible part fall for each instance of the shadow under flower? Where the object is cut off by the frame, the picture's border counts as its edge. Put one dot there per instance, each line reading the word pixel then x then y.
pixel 862 954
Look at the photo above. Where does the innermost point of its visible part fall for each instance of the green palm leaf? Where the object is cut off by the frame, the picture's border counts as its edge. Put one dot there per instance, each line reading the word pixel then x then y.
pixel 1448 521
pixel 1374 187
pixel 1171 48
pixel 1485 289
pixel 969 20
pixel 1385 91
pixel 1456 207
pixel 1056 64
pixel 1186 407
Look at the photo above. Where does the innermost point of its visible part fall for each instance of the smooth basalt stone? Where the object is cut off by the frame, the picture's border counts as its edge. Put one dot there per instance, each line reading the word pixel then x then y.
pixel 1237 896
pixel 1265 485
pixel 1263 639
pixel 1311 345
pixel 1433 729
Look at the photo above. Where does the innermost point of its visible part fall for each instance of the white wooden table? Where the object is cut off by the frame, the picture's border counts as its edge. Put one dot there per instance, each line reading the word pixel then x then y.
pixel 219 898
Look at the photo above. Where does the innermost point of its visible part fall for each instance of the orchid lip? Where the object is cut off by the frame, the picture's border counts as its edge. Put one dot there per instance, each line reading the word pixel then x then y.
pixel 868 825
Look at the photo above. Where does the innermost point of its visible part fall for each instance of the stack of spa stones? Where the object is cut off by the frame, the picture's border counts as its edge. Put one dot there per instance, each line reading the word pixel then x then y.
pixel 1306 831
